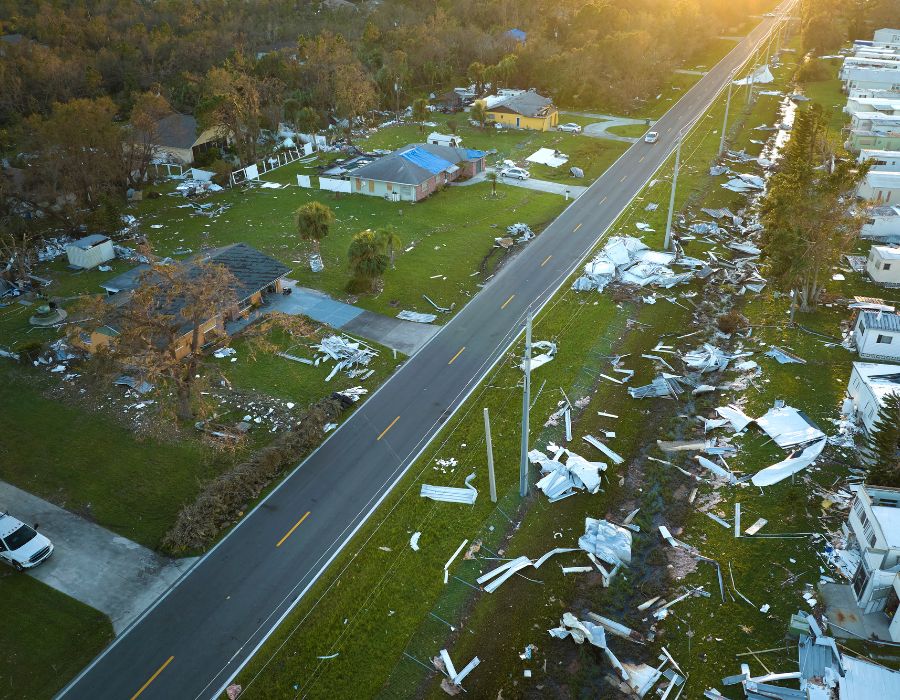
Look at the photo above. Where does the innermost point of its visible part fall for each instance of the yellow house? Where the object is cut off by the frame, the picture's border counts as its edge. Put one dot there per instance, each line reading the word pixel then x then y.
pixel 526 110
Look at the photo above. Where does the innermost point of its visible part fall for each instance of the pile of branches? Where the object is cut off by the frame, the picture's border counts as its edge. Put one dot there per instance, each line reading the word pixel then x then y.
pixel 223 500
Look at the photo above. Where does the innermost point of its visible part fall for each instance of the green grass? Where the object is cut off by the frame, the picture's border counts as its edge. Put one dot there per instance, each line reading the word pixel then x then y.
pixel 46 637
pixel 632 130
pixel 375 600
pixel 88 463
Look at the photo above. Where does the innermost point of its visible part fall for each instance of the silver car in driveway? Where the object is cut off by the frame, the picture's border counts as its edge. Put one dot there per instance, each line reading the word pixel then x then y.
pixel 517 173
pixel 571 127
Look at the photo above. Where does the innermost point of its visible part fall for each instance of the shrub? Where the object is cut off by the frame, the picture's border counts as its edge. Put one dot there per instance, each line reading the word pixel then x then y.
pixel 731 322
pixel 222 500
pixel 813 70
pixel 222 172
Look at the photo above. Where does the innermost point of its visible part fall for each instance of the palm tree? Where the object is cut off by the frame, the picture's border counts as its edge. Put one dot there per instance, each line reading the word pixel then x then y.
pixel 307 121
pixel 313 221
pixel 478 112
pixel 367 260
pixel 389 241
pixel 491 176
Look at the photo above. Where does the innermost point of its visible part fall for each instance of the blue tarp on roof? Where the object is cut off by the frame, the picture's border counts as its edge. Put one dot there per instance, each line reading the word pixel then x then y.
pixel 424 159
pixel 516 34
pixel 472 154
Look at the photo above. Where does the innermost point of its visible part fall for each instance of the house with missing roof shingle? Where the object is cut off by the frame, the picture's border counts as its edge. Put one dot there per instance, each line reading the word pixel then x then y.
pixel 413 172
pixel 523 110
pixel 255 273
pixel 883 265
pixel 180 139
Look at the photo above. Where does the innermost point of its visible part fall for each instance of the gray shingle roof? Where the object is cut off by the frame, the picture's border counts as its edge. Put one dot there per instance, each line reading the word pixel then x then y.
pixel 177 131
pixel 881 321
pixel 253 269
pixel 395 168
pixel 528 104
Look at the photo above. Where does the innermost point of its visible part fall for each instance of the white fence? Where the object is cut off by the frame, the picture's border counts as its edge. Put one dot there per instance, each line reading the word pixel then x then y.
pixel 168 169
pixel 272 162
pixel 333 185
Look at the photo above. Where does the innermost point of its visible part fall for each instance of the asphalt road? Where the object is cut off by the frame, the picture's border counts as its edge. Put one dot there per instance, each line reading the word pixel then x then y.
pixel 197 636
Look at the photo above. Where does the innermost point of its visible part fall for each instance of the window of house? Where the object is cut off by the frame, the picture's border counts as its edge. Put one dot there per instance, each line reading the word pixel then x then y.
pixel 862 326
pixel 870 222
pixel 884 339
pixel 390 187
pixel 858 507
pixel 886 266
pixel 872 540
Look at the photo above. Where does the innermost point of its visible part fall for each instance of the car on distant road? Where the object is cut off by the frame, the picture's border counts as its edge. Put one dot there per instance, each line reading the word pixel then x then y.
pixel 652 137
pixel 571 127
pixel 516 173
pixel 21 546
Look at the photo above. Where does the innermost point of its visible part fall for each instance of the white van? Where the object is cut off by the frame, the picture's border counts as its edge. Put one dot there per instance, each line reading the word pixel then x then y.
pixel 21 546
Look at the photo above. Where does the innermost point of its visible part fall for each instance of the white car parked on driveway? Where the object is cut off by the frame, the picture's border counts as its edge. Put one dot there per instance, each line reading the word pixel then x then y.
pixel 21 546
pixel 517 173
pixel 571 127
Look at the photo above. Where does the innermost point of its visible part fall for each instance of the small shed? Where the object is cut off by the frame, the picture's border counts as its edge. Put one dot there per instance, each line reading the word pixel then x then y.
pixel 883 265
pixel 877 336
pixel 450 140
pixel 90 251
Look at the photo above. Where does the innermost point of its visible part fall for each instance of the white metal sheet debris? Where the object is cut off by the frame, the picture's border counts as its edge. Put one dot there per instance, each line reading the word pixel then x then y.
pixel 738 419
pixel 451 494
pixel 416 317
pixel 665 385
pixel 629 260
pixel 548 156
pixel 782 470
pixel 760 76
pixel 716 469
pixel 756 527
pixel 591 440
pixel 788 427
pixel 348 353
pixel 564 479
pixel 414 541
pixel 783 356
pixel 607 541
pixel 709 358
pixel 545 357
pixel 510 568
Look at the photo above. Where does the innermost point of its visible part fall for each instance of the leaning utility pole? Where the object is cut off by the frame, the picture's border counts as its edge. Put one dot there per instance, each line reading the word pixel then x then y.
pixel 526 405
pixel 750 85
pixel 490 456
pixel 725 121
pixel 668 240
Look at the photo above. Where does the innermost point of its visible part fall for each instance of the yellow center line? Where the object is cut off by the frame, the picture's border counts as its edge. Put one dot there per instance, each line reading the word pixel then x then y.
pixel 457 355
pixel 291 531
pixel 577 227
pixel 642 159
pixel 602 200
pixel 388 428
pixel 547 259
pixel 153 677
pixel 623 178
pixel 507 301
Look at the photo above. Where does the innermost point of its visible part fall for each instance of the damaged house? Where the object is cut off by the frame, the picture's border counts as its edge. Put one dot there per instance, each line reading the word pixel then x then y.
pixel 873 531
pixel 883 265
pixel 524 110
pixel 255 273
pixel 877 336
pixel 869 384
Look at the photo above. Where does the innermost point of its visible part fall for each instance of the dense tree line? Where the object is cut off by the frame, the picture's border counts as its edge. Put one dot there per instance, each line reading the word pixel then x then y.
pixel 827 24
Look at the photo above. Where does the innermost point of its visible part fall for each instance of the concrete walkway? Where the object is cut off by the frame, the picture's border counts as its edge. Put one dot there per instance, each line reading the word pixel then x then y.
pixel 842 611
pixel 607 121
pixel 91 564
pixel 530 184
pixel 403 336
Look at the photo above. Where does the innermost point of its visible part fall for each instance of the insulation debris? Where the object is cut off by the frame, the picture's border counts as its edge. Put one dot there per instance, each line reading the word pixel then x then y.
pixel 451 494
pixel 782 470
pixel 606 541
pixel 665 385
pixel 709 358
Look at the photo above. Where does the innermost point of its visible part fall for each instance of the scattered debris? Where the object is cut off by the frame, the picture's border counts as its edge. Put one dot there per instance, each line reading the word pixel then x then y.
pixel 451 494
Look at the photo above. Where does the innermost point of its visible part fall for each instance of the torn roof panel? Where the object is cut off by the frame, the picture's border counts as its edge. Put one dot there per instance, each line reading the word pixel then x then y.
pixel 788 427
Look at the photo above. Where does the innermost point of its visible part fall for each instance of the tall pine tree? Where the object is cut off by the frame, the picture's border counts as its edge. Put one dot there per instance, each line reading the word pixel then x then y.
pixel 884 444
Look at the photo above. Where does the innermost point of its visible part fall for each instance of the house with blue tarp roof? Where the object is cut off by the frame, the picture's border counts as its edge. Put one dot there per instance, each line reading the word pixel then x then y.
pixel 516 35
pixel 414 171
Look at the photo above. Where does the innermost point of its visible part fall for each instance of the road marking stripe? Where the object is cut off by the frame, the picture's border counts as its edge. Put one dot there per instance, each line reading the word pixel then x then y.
pixel 602 200
pixel 153 677
pixel 291 531
pixel 457 355
pixel 623 178
pixel 642 159
pixel 547 259
pixel 577 227
pixel 507 301
pixel 388 428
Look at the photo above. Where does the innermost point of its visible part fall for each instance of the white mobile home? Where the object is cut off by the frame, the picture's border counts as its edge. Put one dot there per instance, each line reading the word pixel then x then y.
pixel 883 265
pixel 859 93
pixel 884 105
pixel 868 78
pixel 90 251
pixel 886 62
pixel 881 159
pixel 890 37
pixel 449 140
pixel 877 336
pixel 880 186
pixel 882 224
pixel 869 384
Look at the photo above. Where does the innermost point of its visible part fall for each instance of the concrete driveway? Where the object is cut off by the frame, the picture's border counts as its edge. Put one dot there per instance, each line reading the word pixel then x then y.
pixel 100 568
pixel 607 121
pixel 531 183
